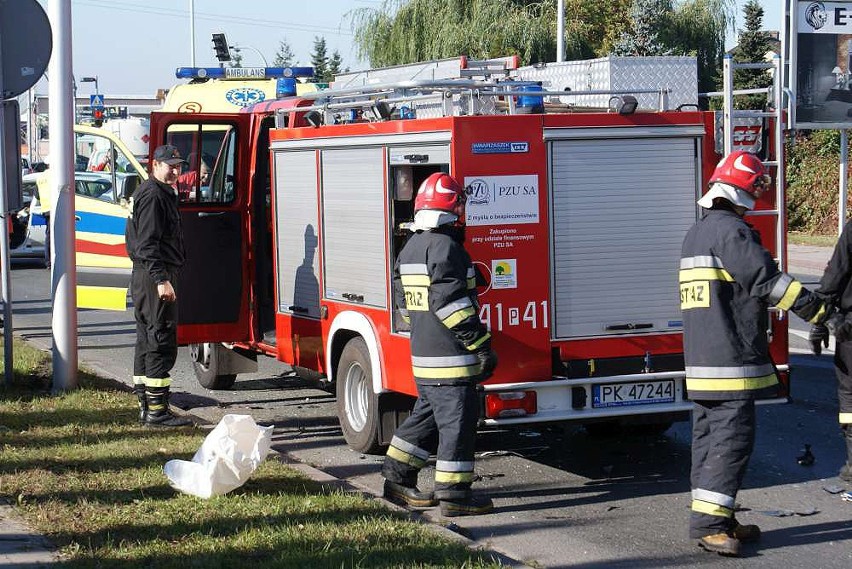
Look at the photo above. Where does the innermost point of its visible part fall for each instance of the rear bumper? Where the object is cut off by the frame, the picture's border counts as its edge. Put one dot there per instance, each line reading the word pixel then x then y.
pixel 560 399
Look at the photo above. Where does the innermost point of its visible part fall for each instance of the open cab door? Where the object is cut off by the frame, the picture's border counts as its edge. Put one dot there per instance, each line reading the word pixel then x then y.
pixel 213 287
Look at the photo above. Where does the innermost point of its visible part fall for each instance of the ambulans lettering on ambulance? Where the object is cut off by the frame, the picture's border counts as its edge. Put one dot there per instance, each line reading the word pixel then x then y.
pixel 574 222
pixel 231 89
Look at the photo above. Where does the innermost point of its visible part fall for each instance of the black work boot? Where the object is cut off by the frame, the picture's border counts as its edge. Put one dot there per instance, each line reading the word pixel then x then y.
pixel 746 533
pixel 139 390
pixel 470 506
pixel 720 543
pixel 846 471
pixel 409 495
pixel 159 414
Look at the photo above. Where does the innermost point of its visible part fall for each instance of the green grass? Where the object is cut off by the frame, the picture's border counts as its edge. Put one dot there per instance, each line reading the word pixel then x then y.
pixel 81 470
pixel 797 238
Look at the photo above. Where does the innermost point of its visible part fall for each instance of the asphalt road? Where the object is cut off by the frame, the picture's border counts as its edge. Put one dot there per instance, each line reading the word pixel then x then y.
pixel 564 499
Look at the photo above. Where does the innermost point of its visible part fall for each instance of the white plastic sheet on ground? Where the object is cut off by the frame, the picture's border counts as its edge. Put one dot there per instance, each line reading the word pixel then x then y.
pixel 229 455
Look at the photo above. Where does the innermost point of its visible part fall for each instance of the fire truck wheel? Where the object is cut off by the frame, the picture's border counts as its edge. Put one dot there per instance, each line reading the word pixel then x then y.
pixel 205 363
pixel 357 405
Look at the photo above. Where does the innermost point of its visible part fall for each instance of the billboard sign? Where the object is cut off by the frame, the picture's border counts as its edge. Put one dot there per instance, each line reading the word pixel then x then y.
pixel 823 44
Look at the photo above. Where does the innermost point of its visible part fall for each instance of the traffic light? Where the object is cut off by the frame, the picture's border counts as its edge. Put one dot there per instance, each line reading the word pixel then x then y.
pixel 98 117
pixel 220 46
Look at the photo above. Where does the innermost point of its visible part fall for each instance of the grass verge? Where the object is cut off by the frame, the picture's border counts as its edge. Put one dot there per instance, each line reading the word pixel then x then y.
pixel 81 470
pixel 797 238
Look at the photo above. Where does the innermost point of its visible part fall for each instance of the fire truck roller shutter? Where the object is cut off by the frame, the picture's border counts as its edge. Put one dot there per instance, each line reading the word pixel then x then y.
pixel 297 228
pixel 354 246
pixel 617 237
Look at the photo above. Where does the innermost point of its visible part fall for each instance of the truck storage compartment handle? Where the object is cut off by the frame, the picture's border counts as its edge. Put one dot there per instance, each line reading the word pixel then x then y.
pixel 353 297
pixel 629 326
pixel 299 309
pixel 210 213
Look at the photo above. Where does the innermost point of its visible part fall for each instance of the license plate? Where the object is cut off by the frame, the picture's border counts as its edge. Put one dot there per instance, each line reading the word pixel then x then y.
pixel 640 393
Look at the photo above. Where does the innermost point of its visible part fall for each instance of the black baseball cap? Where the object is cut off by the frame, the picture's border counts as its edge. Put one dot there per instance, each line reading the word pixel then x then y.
pixel 168 154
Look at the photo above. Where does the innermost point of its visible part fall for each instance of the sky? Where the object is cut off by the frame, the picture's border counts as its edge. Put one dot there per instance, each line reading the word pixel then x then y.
pixel 134 46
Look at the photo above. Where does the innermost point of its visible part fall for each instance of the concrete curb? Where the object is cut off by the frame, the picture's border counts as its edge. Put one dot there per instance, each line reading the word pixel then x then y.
pixel 440 526
pixel 20 546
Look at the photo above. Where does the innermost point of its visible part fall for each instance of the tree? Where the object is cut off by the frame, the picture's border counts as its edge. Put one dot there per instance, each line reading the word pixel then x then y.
pixel 335 66
pixel 697 28
pixel 319 59
pixel 236 58
pixel 284 56
pixel 752 48
pixel 642 37
pixel 405 31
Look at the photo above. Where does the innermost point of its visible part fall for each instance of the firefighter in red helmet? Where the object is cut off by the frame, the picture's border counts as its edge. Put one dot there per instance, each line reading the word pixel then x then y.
pixel 435 290
pixel 727 283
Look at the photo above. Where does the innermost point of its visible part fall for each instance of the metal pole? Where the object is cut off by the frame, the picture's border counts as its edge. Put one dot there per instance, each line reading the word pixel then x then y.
pixel 63 270
pixel 30 126
pixel 844 175
pixel 5 267
pixel 728 104
pixel 560 30
pixel 192 32
pixel 793 60
pixel 254 49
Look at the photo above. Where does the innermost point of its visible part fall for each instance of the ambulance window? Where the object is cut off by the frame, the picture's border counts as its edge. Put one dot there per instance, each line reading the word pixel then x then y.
pixel 210 151
pixel 102 169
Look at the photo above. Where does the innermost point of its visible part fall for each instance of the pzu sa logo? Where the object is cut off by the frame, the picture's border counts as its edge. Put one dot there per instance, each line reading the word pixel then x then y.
pixel 245 96
pixel 478 192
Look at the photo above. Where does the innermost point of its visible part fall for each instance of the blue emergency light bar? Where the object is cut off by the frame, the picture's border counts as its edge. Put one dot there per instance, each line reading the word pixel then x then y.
pixel 243 72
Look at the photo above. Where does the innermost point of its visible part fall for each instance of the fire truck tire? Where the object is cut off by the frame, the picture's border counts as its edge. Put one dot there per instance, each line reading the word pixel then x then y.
pixel 357 404
pixel 205 362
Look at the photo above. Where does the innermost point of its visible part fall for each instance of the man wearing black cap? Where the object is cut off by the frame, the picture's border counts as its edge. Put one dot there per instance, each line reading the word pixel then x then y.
pixel 155 245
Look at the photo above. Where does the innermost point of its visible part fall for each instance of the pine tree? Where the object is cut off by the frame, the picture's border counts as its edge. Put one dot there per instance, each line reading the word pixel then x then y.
pixel 752 48
pixel 647 19
pixel 284 56
pixel 319 59
pixel 335 66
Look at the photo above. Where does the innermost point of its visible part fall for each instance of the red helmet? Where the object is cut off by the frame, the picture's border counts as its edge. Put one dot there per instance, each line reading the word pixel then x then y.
pixel 743 171
pixel 441 192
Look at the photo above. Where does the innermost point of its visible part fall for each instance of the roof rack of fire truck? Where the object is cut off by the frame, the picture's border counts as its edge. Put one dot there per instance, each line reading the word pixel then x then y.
pixel 457 97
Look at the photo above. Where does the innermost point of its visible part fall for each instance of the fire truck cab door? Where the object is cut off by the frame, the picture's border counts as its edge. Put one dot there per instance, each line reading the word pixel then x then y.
pixel 213 189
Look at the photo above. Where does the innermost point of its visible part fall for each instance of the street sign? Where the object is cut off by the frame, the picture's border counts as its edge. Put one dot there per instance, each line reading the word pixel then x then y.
pixel 96 101
pixel 12 148
pixel 25 45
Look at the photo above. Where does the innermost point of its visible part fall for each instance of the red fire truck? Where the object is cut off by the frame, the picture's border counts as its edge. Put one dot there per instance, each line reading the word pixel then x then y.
pixel 575 220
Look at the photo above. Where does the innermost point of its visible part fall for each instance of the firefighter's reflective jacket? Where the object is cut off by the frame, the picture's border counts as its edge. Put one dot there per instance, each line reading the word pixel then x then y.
pixel 727 282
pixel 836 283
pixel 435 288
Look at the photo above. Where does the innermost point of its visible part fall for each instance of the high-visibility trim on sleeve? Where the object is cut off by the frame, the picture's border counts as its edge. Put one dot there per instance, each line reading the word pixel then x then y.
pixel 818 316
pixel 705 274
pixel 475 345
pixel 790 295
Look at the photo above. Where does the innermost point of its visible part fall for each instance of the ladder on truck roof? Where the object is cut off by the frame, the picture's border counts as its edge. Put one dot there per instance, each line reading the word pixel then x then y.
pixel 775 152
pixel 459 96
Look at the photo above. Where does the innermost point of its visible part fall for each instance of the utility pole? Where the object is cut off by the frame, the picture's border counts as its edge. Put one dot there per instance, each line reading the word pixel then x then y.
pixel 560 30
pixel 63 271
pixel 192 32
